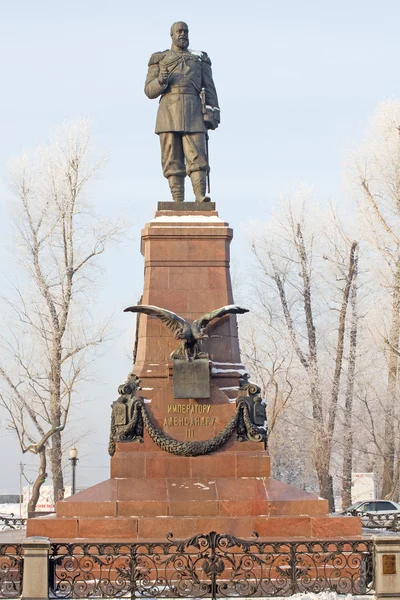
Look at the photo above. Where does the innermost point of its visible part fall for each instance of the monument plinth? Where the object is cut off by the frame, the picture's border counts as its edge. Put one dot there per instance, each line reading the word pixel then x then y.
pixel 189 465
pixel 186 270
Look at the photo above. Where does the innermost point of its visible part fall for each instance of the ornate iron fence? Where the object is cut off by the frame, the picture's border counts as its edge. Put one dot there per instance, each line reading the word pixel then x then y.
pixel 11 566
pixel 11 522
pixel 210 566
pixel 389 521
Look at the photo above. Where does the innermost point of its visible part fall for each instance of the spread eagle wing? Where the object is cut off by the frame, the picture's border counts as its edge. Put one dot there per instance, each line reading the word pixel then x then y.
pixel 170 319
pixel 231 309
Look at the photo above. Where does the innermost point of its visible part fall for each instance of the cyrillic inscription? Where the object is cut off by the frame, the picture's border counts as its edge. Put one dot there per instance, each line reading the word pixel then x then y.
pixel 188 421
pixel 189 415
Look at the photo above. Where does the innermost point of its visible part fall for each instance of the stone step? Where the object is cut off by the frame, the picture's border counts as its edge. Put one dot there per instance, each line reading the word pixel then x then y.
pixel 153 465
pixel 157 528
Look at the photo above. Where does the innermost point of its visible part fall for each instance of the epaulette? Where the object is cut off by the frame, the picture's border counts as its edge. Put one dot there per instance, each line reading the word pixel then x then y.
pixel 205 58
pixel 156 57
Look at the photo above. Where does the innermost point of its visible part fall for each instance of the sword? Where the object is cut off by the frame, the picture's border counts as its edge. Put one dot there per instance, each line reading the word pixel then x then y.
pixel 204 111
pixel 208 162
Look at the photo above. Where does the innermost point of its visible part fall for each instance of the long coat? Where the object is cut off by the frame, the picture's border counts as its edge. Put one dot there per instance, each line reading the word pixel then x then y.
pixel 180 105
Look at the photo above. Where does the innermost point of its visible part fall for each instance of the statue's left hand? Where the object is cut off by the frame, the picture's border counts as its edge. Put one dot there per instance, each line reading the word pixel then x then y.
pixel 212 117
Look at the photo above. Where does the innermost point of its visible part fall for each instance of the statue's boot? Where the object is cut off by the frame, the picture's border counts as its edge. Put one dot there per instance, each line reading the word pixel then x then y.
pixel 177 187
pixel 199 183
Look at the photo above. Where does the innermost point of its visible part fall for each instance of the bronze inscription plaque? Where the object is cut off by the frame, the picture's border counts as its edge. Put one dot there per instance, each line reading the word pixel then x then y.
pixel 191 378
pixel 389 564
pixel 191 416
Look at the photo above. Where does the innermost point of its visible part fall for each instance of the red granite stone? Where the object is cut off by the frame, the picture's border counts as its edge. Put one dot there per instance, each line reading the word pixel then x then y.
pixel 158 278
pixel 193 508
pixel 100 508
pixel 185 258
pixel 237 508
pixel 215 465
pixel 186 490
pixel 130 490
pixel 240 489
pixel 98 500
pixel 159 527
pixel 52 527
pixel 288 500
pixel 130 464
pixel 180 279
pixel 331 526
pixel 167 465
pixel 253 464
pixel 140 508
pixel 108 528
pixel 298 507
pixel 241 527
pixel 106 491
pixel 283 527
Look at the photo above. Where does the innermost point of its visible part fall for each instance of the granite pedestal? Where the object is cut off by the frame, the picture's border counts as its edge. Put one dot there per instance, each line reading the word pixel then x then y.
pixel 151 492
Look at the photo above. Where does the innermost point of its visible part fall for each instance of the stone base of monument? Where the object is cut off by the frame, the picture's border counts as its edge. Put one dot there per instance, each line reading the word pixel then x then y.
pixel 152 491
pixel 132 509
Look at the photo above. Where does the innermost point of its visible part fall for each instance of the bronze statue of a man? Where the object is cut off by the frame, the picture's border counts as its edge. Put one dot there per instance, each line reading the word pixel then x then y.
pixel 188 107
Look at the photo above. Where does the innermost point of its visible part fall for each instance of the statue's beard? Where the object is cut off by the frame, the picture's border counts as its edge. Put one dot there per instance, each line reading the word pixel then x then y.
pixel 182 43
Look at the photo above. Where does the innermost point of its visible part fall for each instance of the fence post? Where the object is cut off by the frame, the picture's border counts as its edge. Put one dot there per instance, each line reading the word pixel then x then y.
pixel 387 567
pixel 35 581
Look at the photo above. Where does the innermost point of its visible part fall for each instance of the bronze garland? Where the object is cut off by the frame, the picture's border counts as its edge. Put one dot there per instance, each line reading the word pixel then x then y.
pixel 180 448
pixel 173 446
pixel 130 417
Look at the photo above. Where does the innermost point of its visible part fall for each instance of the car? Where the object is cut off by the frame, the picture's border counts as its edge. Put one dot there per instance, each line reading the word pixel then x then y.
pixel 376 513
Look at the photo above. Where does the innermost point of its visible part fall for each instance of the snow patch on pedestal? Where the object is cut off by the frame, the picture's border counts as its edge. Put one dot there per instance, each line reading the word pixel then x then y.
pixel 202 486
pixel 187 219
pixel 230 364
pixel 241 371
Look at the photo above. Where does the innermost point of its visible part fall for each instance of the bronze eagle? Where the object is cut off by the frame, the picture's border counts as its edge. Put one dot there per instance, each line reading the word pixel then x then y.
pixel 189 333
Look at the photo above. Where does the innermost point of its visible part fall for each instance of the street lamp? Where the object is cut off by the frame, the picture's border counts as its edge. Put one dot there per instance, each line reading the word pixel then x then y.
pixel 73 457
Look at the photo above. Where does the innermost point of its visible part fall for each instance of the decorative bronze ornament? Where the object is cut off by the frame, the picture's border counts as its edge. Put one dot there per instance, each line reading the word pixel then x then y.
pixel 138 418
pixel 189 333
pixel 255 419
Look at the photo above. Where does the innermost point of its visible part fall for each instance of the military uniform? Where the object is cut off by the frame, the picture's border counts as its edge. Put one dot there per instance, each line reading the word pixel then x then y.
pixel 180 121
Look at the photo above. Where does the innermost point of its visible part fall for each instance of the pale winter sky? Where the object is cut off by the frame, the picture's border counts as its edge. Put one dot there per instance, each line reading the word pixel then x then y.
pixel 296 80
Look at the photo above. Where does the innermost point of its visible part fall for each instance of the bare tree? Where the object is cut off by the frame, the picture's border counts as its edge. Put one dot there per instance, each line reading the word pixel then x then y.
pixel 52 337
pixel 375 177
pixel 287 257
pixel 349 399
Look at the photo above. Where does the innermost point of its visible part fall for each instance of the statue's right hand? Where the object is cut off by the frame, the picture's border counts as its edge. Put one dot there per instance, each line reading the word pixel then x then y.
pixel 163 75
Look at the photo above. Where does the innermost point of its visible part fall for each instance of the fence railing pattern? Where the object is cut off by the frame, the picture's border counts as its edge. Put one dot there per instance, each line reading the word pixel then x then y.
pixel 210 566
pixel 11 566
pixel 389 521
pixel 11 522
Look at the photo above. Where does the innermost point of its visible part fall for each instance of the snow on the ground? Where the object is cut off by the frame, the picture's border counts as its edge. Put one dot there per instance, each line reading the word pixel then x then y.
pixel 8 509
pixel 311 596
pixel 326 596
pixel 308 596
